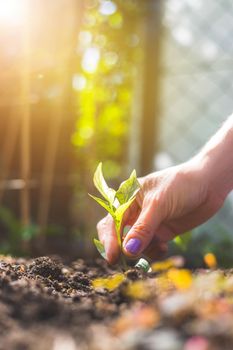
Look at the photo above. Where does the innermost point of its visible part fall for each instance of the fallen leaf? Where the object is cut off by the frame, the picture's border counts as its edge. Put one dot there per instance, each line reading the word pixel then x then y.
pixel 182 279
pixel 137 290
pixel 162 265
pixel 210 260
pixel 109 283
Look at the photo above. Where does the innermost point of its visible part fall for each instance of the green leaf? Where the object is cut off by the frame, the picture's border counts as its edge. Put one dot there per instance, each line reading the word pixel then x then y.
pixel 122 209
pixel 29 232
pixel 101 185
pixel 100 247
pixel 182 241
pixel 118 216
pixel 103 203
pixel 128 189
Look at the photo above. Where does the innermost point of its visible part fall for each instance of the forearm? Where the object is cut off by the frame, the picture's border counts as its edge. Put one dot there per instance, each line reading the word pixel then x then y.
pixel 217 157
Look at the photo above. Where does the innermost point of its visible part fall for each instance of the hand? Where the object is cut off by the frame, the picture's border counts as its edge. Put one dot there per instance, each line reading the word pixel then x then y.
pixel 169 203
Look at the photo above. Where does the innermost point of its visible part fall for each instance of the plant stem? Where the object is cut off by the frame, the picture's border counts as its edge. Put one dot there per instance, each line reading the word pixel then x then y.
pixel 123 262
pixel 118 232
pixel 122 257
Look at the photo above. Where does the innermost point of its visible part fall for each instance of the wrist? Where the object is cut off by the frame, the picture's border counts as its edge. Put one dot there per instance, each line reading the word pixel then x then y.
pixel 216 159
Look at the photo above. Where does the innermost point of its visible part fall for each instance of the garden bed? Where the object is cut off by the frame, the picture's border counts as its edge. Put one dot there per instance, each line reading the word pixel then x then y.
pixel 48 305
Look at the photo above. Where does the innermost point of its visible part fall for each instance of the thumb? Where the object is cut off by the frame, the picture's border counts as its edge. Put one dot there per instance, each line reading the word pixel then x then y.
pixel 142 232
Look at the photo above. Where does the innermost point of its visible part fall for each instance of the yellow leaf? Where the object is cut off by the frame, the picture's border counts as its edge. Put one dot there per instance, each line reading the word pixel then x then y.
pixel 174 261
pixel 109 283
pixel 162 265
pixel 210 260
pixel 182 279
pixel 137 290
pixel 162 283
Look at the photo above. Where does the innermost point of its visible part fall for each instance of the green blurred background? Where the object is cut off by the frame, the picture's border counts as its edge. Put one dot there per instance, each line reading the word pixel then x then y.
pixel 131 83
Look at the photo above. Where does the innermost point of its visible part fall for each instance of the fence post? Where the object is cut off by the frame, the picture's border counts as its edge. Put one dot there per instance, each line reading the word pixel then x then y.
pixel 25 123
pixel 150 103
pixel 57 122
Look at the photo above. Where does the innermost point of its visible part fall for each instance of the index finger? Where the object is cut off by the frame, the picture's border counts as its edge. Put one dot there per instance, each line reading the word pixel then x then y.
pixel 107 235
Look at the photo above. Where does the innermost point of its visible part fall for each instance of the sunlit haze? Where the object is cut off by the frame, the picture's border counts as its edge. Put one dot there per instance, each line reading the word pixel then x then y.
pixel 12 12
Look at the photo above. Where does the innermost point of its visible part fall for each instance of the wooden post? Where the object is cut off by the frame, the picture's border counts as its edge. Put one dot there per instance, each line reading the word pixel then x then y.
pixel 9 147
pixel 150 107
pixel 25 120
pixel 74 14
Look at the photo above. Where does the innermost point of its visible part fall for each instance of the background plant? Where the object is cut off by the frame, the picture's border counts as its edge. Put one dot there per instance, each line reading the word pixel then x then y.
pixel 109 55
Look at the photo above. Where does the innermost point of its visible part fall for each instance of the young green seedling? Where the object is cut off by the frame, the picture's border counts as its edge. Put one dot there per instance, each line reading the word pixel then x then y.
pixel 115 202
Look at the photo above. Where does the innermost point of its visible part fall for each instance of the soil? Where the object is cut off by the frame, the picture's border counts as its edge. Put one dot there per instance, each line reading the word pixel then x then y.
pixel 46 304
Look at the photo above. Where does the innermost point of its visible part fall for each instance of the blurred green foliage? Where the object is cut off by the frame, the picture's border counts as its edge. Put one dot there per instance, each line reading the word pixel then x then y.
pixel 211 237
pixel 109 54
pixel 20 240
pixel 183 240
pixel 16 241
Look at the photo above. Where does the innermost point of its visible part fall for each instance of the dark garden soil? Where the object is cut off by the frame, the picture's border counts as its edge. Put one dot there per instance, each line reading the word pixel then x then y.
pixel 47 305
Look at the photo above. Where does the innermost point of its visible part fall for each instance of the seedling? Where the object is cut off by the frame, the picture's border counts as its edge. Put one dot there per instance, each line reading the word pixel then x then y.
pixel 115 202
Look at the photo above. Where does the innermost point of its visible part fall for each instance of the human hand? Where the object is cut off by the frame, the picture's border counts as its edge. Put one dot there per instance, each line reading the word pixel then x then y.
pixel 169 203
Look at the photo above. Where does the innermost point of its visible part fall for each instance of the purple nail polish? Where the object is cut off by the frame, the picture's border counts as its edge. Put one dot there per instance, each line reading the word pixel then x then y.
pixel 133 245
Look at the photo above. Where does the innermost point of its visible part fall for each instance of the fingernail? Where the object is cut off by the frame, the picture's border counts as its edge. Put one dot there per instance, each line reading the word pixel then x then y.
pixel 133 245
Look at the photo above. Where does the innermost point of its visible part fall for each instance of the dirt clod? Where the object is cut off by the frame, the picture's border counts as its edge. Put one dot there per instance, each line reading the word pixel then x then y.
pixel 45 267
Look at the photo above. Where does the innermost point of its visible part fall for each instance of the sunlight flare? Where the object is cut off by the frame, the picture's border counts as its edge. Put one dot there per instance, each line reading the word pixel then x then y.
pixel 12 12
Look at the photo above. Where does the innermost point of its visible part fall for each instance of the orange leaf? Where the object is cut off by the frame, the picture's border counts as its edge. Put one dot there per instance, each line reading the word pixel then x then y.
pixel 210 260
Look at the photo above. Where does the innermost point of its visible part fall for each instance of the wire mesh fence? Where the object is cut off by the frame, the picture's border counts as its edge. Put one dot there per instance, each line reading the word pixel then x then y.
pixel 196 74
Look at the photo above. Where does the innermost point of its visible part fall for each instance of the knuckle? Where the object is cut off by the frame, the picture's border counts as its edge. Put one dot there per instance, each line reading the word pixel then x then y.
pixel 143 230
